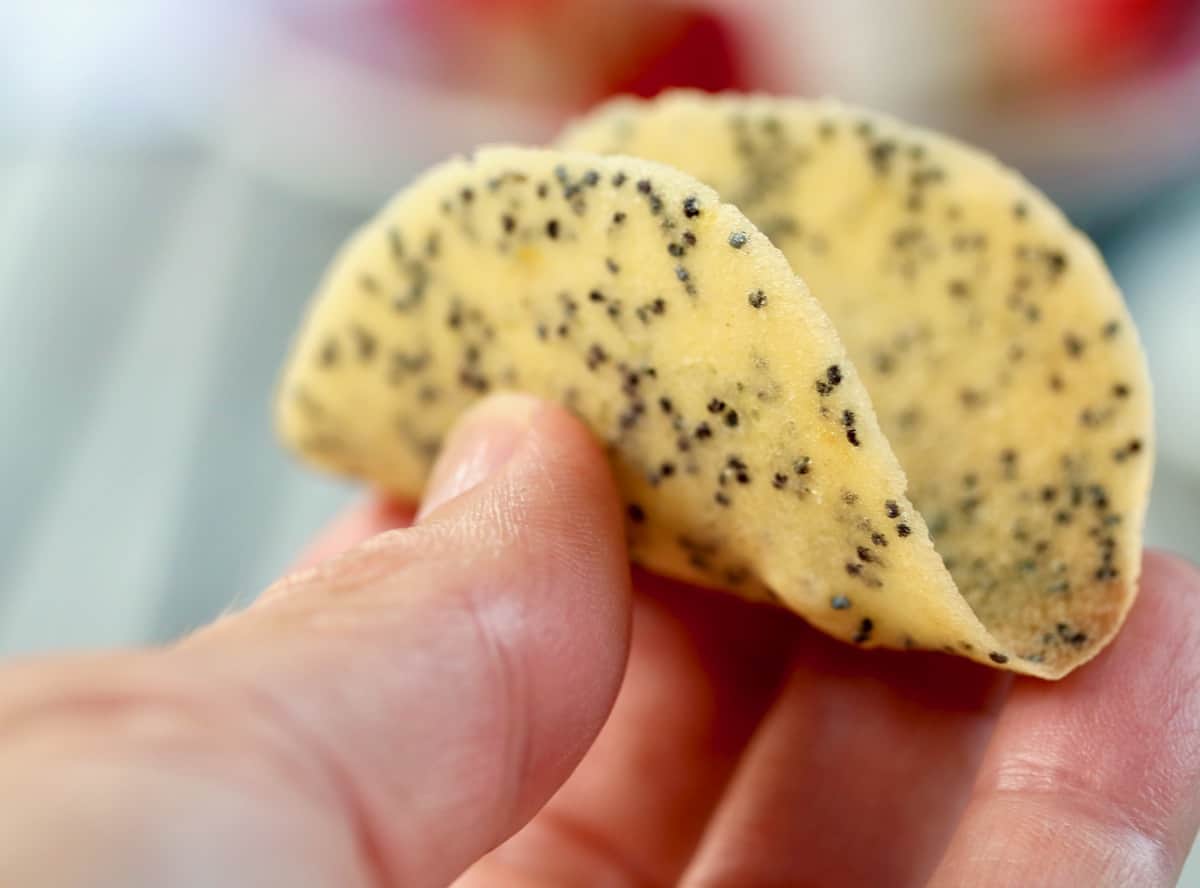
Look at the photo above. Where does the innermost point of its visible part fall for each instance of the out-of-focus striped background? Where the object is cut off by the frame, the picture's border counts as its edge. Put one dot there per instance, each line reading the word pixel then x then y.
pixel 172 184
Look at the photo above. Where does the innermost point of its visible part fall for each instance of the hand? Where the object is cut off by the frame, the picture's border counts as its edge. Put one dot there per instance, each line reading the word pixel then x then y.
pixel 389 715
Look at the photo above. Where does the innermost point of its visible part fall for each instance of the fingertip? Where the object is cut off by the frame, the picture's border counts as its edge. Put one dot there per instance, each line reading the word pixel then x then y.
pixel 1160 641
pixel 482 441
pixel 560 600
pixel 1112 751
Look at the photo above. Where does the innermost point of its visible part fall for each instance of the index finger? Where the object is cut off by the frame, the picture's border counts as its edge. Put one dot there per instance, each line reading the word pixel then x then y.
pixel 1093 780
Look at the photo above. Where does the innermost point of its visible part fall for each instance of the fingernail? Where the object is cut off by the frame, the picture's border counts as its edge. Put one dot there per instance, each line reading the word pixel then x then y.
pixel 481 443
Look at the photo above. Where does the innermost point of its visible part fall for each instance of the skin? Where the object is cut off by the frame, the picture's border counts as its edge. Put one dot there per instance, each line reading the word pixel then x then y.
pixel 491 678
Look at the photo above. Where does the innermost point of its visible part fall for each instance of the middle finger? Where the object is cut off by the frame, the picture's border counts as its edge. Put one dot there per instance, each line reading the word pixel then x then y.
pixel 857 774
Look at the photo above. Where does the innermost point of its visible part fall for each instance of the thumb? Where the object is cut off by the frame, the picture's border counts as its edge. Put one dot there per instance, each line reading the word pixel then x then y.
pixel 405 707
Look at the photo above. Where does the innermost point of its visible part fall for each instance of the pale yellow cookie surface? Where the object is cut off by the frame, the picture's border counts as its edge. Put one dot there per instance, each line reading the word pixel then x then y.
pixel 998 353
pixel 743 441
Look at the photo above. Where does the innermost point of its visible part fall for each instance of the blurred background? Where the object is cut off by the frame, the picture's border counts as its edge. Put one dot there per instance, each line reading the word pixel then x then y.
pixel 174 176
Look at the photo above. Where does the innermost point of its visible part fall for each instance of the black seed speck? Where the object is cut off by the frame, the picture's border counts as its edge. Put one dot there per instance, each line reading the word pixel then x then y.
pixel 665 404
pixel 731 418
pixel 473 381
pixel 1048 494
pixel 881 155
pixel 800 466
pixel 1020 211
pixel 997 657
pixel 675 249
pixel 852 437
pixel 682 273
pixel 1110 329
pixel 618 179
pixel 903 529
pixel 611 265
pixel 636 515
pixel 703 431
pixel 839 602
pixel 691 207
pixel 468 195
pixel 689 238
pixel 853 569
pixel 596 356
pixel 591 177
pixel 864 554
pixel 643 186
pixel 779 481
pixel 1073 344
pixel 864 630
pixel 892 508
pixel 552 228
pixel 958 289
pixel 834 374
pixel 366 343
pixel 720 498
pixel 878 539
pixel 508 223
pixel 848 418
pixel 738 239
pixel 716 405
pixel 971 398
pixel 596 296
pixel 1120 390
pixel 618 217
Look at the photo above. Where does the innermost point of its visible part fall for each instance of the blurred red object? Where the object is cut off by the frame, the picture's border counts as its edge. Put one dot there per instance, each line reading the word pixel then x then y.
pixel 1092 99
pixel 1071 44
pixel 576 52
